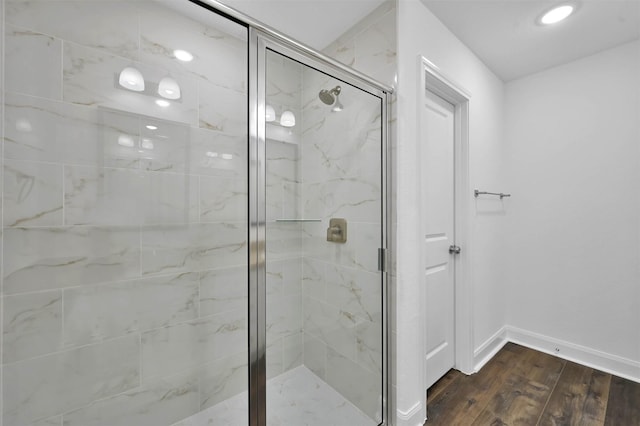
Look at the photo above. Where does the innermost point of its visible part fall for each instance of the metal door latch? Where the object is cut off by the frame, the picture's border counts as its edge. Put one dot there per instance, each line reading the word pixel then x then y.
pixel 454 249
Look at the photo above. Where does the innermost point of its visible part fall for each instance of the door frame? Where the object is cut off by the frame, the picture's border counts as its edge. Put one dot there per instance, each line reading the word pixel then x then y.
pixel 432 79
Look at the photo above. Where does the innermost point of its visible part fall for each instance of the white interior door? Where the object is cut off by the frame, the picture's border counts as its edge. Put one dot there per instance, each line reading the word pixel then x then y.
pixel 437 202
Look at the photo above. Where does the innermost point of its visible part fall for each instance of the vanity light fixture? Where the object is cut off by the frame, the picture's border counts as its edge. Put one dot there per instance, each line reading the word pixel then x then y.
pixel 168 88
pixel 269 113
pixel 162 103
pixel 183 55
pixel 130 78
pixel 288 119
pixel 557 14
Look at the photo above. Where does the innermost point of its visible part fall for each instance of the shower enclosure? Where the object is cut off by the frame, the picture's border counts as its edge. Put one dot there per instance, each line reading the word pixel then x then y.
pixel 193 222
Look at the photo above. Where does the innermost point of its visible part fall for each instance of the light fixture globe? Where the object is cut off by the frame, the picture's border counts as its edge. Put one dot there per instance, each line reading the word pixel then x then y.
pixel 131 78
pixel 288 119
pixel 269 114
pixel 168 88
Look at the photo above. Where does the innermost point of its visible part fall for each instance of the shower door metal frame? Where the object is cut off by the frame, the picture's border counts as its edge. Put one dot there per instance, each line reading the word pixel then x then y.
pixel 259 42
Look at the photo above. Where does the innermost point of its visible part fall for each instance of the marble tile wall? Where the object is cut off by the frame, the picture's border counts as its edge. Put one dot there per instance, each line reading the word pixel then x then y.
pixel 124 223
pixel 341 178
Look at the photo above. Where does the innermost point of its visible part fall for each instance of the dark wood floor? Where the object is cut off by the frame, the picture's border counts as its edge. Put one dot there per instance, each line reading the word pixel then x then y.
pixel 523 387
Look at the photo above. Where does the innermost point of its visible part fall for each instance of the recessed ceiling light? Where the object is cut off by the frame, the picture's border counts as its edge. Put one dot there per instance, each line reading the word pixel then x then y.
pixel 183 55
pixel 162 103
pixel 557 14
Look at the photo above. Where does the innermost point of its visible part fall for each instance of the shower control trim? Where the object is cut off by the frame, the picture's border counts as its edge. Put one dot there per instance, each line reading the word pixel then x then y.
pixel 337 231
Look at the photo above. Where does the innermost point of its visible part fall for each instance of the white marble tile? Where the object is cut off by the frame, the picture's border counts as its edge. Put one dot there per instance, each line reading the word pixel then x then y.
pixel 32 194
pixel 33 63
pixel 158 403
pixel 231 412
pixel 285 241
pixel 43 130
pixel 220 54
pixel 54 384
pixel 297 397
pixel 223 379
pixel 369 345
pixel 90 77
pixel 107 25
pixel 315 355
pixel 216 154
pixel 360 386
pixel 51 421
pixel 292 351
pixel 223 110
pixel 284 316
pixel 195 247
pixel 331 325
pixel 273 357
pixel 343 51
pixel 115 309
pixel 223 199
pixel 292 276
pixel 354 291
pixel 175 348
pixel 375 48
pixel 49 258
pixel 315 245
pixel 172 145
pixel 283 81
pixel 357 200
pixel 32 325
pixel 365 238
pixel 313 282
pixel 343 144
pixel 301 398
pixel 223 290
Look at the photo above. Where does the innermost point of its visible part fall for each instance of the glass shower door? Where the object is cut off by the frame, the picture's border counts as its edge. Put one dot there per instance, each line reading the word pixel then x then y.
pixel 324 291
pixel 124 261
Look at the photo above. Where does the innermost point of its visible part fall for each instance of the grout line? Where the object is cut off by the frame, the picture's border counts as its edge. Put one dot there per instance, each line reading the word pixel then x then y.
pixel 544 408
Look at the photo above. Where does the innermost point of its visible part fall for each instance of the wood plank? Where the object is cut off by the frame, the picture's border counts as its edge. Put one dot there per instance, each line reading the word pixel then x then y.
pixel 471 394
pixel 438 387
pixel 539 367
pixel 579 398
pixel 519 402
pixel 623 407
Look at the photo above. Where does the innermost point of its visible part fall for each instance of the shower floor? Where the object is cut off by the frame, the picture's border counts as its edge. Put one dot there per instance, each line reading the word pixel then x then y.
pixel 295 398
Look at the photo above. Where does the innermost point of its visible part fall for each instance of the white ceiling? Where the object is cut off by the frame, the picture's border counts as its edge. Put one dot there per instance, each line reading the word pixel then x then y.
pixel 504 33
pixel 315 23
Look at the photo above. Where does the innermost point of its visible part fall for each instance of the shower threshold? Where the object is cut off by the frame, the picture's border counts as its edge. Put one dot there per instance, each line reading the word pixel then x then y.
pixel 297 397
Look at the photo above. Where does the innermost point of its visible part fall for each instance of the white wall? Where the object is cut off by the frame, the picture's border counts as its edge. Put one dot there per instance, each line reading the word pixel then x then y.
pixel 572 259
pixel 421 33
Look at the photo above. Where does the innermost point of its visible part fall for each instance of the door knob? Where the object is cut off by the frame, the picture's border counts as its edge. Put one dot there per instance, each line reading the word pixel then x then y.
pixel 454 249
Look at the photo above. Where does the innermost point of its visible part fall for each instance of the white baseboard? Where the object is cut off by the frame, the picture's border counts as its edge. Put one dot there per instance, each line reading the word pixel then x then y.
pixel 593 358
pixel 414 416
pixel 488 349
pixel 589 357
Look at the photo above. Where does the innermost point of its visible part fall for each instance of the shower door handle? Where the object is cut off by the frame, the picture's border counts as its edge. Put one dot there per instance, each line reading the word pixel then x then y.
pixel 454 249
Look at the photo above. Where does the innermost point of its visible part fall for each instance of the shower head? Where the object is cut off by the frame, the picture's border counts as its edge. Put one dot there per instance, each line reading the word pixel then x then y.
pixel 329 97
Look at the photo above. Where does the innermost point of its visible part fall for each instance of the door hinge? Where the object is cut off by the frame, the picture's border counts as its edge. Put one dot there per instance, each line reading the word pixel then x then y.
pixel 382 260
